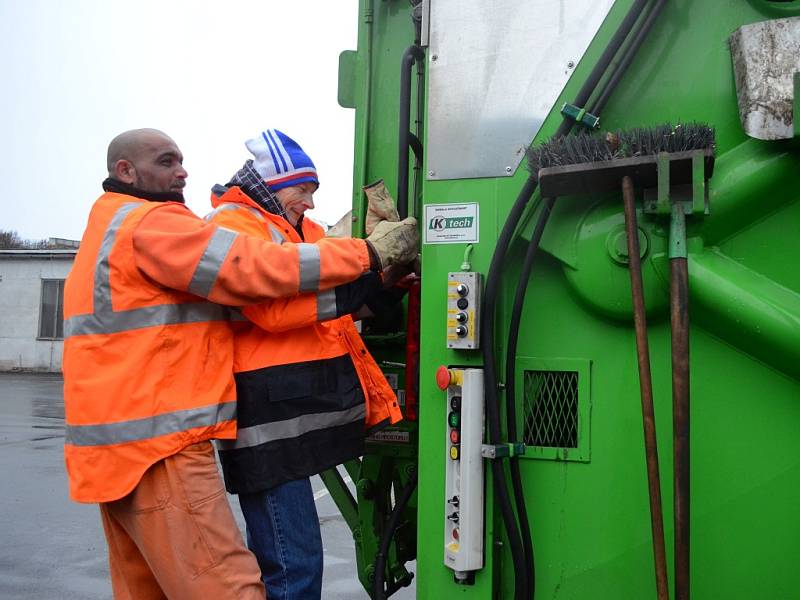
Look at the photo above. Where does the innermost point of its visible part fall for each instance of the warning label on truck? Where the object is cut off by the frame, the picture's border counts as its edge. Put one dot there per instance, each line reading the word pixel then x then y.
pixel 451 223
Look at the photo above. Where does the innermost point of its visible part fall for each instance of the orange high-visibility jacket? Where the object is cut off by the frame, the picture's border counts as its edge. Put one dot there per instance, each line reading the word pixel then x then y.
pixel 307 386
pixel 147 360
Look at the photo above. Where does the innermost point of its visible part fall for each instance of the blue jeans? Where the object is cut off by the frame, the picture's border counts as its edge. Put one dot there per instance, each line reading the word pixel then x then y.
pixel 283 533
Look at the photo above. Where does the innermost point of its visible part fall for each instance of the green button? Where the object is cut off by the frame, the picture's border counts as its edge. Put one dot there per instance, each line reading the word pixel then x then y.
pixel 453 419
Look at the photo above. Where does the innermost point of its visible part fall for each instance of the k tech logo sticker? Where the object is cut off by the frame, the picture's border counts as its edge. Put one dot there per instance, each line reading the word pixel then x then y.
pixel 451 223
pixel 442 223
pixel 437 223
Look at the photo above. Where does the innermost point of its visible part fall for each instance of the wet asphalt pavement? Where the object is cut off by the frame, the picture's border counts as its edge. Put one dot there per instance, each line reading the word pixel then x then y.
pixel 54 548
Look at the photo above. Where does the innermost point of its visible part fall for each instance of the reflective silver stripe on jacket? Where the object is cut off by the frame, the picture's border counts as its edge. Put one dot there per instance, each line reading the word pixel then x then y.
pixel 149 427
pixel 257 213
pixel 307 253
pixel 104 319
pixel 309 267
pixel 326 305
pixel 248 437
pixel 205 275
pixel 277 236
pixel 219 209
pixel 232 206
pixel 102 269
pixel 147 316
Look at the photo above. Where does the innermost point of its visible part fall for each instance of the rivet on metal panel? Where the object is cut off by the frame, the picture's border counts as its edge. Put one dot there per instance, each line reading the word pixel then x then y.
pixel 570 64
pixel 434 57
pixel 431 173
pixel 508 169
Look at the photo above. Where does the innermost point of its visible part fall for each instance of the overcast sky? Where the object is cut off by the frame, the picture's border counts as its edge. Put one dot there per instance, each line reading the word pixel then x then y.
pixel 210 73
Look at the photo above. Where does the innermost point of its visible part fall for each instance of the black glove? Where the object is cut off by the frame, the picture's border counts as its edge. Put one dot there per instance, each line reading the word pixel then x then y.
pixel 384 301
pixel 352 296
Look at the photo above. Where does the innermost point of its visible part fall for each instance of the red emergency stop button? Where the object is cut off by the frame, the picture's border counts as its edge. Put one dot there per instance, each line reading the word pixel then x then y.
pixel 442 377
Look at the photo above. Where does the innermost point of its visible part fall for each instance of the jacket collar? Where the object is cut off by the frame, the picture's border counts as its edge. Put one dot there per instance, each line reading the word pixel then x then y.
pixel 119 187
pixel 234 195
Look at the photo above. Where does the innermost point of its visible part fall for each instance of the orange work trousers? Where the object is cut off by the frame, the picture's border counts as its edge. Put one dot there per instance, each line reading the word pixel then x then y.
pixel 175 537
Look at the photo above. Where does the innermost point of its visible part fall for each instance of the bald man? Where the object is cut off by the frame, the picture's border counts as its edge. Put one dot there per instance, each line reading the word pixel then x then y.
pixel 148 363
pixel 149 160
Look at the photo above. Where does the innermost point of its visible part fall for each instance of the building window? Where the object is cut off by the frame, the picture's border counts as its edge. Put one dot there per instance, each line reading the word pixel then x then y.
pixel 51 315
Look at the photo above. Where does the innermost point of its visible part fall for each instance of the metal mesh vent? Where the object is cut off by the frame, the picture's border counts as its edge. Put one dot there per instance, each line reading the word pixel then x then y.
pixel 551 408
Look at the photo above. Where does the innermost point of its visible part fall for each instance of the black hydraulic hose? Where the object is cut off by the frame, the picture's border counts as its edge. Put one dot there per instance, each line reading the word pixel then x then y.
pixel 418 134
pixel 629 54
pixel 378 591
pixel 521 562
pixel 610 52
pixel 511 417
pixel 490 383
pixel 416 146
pixel 412 54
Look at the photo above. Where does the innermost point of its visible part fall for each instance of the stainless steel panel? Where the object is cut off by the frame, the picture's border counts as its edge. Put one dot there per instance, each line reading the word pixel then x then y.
pixel 766 56
pixel 495 69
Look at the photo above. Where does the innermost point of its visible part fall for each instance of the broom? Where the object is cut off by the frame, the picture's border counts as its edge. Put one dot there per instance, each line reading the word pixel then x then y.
pixel 659 157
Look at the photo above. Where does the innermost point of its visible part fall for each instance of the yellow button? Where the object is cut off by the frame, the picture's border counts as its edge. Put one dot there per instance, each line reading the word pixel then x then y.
pixel 454 452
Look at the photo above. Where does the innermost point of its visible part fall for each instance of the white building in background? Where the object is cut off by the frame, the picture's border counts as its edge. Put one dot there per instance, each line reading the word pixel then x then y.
pixel 31 307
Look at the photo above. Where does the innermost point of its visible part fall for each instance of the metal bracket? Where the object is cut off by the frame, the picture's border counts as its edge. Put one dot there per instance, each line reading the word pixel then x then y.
pixel 579 115
pixel 693 197
pixel 678 201
pixel 502 450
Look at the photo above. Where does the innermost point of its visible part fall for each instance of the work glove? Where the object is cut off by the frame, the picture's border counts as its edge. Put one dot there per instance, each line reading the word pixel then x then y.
pixel 395 243
pixel 343 227
pixel 380 206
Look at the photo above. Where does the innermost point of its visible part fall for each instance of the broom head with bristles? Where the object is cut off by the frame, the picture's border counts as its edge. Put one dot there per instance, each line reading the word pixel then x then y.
pixel 586 163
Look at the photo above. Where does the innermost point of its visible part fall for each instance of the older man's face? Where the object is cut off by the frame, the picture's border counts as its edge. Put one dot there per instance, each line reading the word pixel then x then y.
pixel 158 165
pixel 296 200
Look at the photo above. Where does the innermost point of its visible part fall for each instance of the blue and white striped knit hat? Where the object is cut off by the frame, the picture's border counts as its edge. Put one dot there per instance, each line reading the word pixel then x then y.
pixel 280 160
